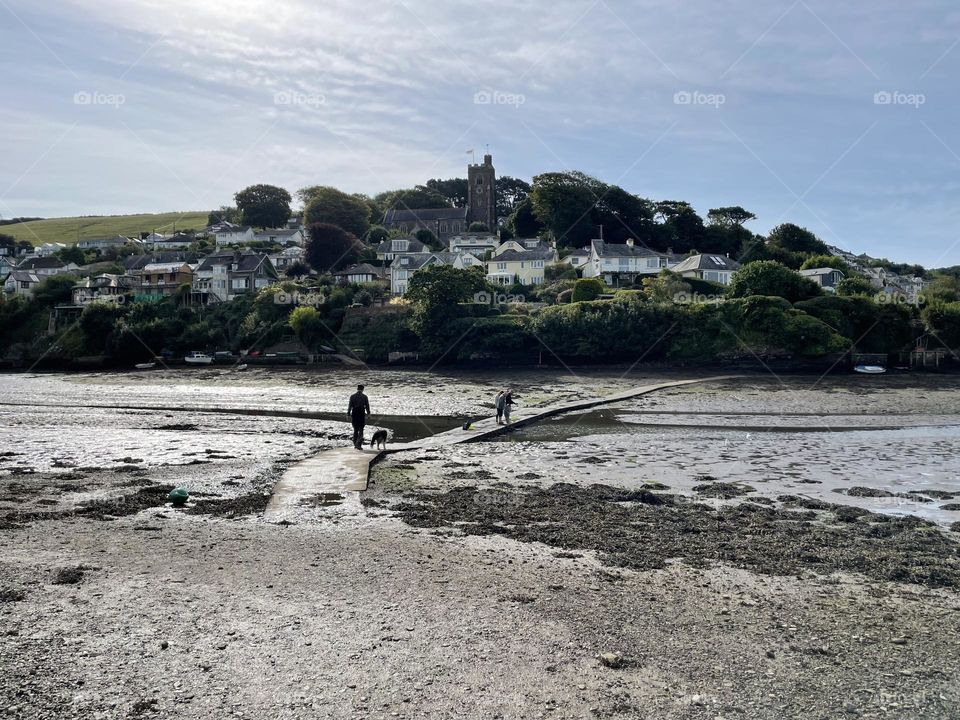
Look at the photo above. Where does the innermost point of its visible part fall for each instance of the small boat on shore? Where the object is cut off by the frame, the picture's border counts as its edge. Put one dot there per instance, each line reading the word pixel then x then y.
pixel 870 369
pixel 145 366
pixel 198 358
pixel 241 366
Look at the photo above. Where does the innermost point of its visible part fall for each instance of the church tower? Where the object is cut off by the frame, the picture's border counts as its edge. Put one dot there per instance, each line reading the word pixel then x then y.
pixel 482 193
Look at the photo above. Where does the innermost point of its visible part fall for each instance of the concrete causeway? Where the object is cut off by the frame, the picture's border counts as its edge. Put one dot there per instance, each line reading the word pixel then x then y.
pixel 345 471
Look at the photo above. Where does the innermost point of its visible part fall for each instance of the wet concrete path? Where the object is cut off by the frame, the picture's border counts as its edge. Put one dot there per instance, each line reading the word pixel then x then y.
pixel 345 471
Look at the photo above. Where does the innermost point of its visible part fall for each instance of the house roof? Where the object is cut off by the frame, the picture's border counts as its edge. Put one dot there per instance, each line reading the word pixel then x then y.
pixel 413 261
pixel 413 246
pixel 41 263
pixel 23 276
pixel 814 272
pixel 547 253
pixel 279 232
pixel 164 267
pixel 424 215
pixel 137 262
pixel 582 252
pixel 605 249
pixel 246 262
pixel 706 262
pixel 362 269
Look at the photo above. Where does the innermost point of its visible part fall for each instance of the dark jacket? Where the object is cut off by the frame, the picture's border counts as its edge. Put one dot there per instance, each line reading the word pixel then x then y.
pixel 359 407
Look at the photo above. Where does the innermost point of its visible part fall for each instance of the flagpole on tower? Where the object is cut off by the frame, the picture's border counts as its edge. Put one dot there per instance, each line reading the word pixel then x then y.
pixel 473 156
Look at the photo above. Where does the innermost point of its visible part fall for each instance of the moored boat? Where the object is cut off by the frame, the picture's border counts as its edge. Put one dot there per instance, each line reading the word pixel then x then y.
pixel 198 358
pixel 870 369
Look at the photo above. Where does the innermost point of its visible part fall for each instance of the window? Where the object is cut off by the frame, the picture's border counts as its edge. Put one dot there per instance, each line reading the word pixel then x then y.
pixel 653 262
pixel 501 266
pixel 536 263
pixel 624 262
pixel 711 275
pixel 479 179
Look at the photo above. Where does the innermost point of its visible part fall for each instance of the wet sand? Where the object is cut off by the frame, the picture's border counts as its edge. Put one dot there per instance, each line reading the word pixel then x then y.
pixel 597 566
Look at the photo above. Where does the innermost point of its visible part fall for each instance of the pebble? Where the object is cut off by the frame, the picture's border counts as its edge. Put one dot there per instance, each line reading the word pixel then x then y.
pixel 611 659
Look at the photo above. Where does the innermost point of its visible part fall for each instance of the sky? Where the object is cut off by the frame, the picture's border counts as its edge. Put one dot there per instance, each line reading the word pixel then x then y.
pixel 840 117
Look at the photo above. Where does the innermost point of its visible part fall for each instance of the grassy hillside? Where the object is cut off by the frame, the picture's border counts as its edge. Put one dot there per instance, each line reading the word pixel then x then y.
pixel 65 229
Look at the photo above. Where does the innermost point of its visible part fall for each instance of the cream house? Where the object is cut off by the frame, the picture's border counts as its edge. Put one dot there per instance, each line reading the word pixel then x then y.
pixel 523 266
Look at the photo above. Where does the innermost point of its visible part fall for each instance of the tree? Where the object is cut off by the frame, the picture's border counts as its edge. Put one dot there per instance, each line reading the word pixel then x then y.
pixel 524 222
pixel 667 287
pixel 326 204
pixel 850 286
pixel 226 213
pixel 623 215
pixel 559 271
pixel 829 261
pixel 587 289
pixel 437 292
pixel 297 269
pixel 54 290
pixel 330 247
pixel 942 320
pixel 72 254
pixel 455 190
pixel 428 238
pixel 264 206
pixel 417 198
pixel 794 238
pixel 768 277
pixel 478 227
pixel 510 193
pixel 562 202
pixel 377 234
pixel 307 324
pixel 729 216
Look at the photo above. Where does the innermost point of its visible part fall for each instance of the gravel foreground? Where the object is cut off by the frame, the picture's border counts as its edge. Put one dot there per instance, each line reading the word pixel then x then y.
pixel 167 614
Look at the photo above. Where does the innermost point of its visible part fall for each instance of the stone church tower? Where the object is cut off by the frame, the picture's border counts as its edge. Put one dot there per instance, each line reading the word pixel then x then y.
pixel 482 193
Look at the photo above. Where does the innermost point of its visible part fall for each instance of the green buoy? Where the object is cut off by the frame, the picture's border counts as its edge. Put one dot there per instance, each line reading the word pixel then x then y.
pixel 178 497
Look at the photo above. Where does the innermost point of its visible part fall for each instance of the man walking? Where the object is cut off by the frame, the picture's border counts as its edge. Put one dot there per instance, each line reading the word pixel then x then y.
pixel 358 409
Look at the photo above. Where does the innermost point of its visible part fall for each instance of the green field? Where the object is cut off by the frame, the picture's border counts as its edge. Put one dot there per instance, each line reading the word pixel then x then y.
pixel 65 230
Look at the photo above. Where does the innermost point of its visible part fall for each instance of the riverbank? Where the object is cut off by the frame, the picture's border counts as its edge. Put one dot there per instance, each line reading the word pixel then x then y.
pixel 589 566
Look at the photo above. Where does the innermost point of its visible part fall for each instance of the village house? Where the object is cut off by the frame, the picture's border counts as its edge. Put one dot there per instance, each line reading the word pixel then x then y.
pixel 520 245
pixel 578 258
pixel 21 282
pixel 476 244
pixel 362 273
pixel 101 244
pixel 177 241
pixel 229 234
pixel 223 276
pixel 103 288
pixel 389 249
pixel 715 268
pixel 406 265
pixel 134 264
pixel 45 266
pixel 827 278
pixel 287 257
pixel 621 264
pixel 48 249
pixel 157 280
pixel 520 266
pixel 280 236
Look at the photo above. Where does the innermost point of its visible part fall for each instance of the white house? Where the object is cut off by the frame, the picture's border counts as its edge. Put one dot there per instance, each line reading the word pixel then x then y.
pixel 104 243
pixel 230 234
pixel 287 257
pixel 578 258
pixel 362 273
pixel 389 249
pixel 44 266
pixel 621 264
pixel 474 243
pixel 523 266
pixel 226 275
pixel 279 236
pixel 48 249
pixel 406 265
pixel 715 268
pixel 21 282
pixel 827 278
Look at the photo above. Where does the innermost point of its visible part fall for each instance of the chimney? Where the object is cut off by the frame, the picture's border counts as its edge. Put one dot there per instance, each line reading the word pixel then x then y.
pixel 669 251
pixel 629 242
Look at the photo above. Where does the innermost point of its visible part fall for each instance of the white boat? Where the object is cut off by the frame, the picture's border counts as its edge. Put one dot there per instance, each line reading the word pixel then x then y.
pixel 198 358
pixel 145 366
pixel 241 366
pixel 870 369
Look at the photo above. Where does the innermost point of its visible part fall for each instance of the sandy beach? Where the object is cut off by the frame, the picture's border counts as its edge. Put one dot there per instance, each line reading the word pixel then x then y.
pixel 760 549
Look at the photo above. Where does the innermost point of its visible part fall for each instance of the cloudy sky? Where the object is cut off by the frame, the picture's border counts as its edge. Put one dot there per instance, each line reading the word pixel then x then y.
pixel 841 117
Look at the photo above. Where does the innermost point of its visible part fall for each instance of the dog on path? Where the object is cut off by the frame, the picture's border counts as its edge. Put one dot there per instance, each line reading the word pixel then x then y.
pixel 379 439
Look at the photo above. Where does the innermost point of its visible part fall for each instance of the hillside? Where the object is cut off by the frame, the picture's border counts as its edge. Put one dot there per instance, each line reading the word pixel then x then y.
pixel 65 229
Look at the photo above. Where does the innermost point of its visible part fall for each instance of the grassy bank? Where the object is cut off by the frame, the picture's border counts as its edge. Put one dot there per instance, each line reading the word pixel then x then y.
pixel 71 229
